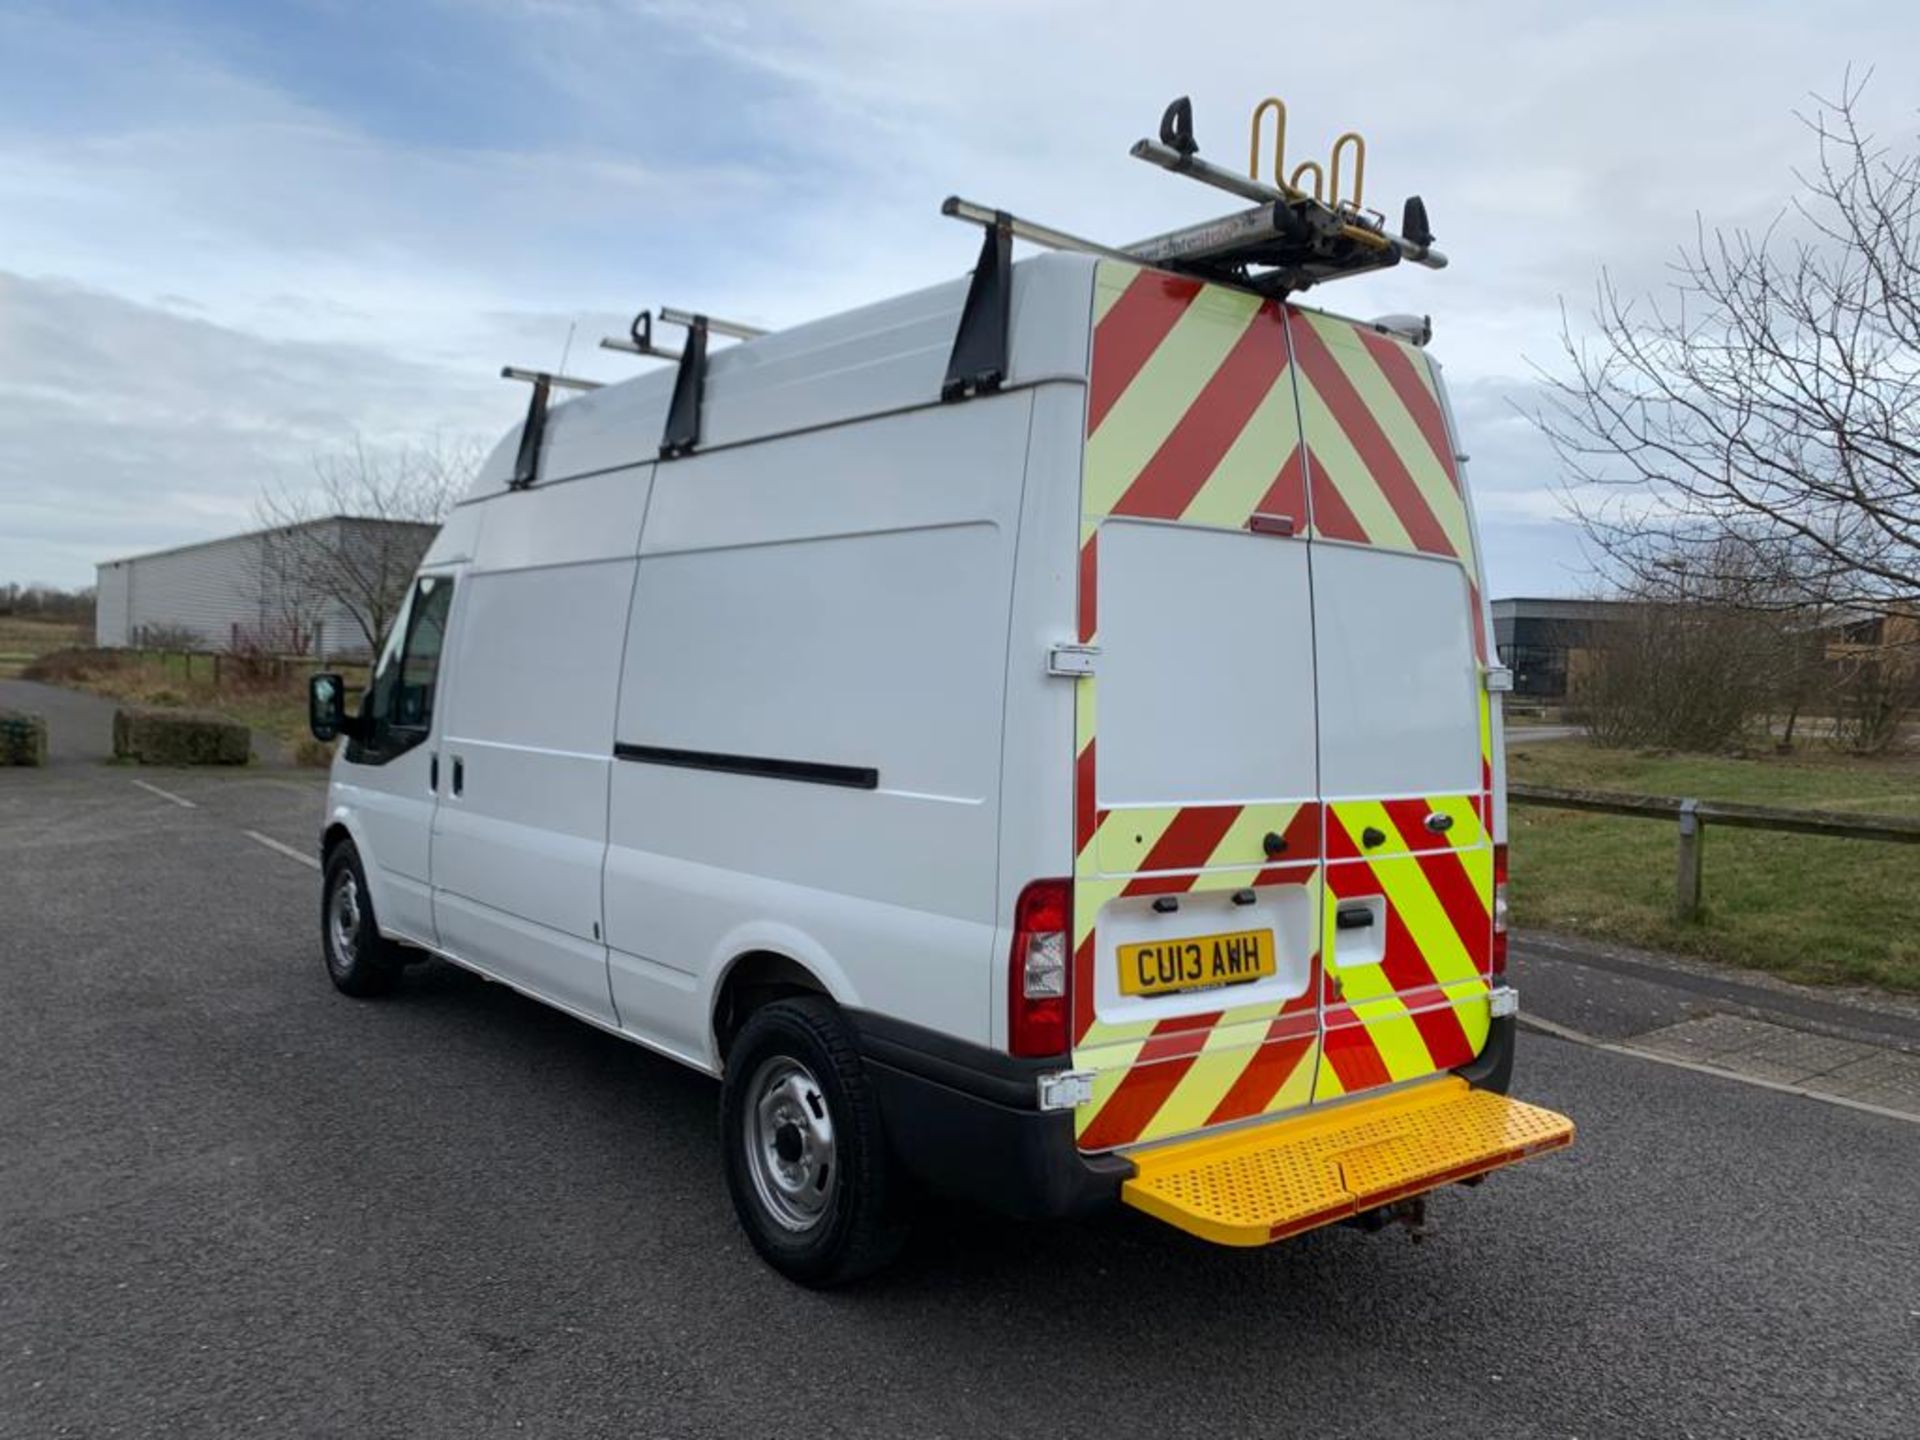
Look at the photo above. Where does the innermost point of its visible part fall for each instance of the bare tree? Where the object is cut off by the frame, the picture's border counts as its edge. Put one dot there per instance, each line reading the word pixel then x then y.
pixel 364 568
pixel 1768 404
pixel 1700 658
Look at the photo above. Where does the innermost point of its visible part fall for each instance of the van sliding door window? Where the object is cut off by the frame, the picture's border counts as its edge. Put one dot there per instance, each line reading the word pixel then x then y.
pixel 400 696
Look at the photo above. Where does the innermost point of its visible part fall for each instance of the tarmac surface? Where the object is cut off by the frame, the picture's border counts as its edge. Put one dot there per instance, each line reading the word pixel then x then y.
pixel 233 1201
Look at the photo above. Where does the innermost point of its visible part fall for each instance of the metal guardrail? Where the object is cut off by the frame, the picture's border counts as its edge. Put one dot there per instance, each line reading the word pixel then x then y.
pixel 1693 816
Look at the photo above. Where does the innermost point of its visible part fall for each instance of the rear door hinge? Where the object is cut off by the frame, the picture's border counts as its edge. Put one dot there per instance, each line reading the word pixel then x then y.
pixel 1072 661
pixel 1499 680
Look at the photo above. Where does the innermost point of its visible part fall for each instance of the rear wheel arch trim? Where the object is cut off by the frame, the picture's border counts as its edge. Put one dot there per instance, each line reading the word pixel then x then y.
pixel 811 969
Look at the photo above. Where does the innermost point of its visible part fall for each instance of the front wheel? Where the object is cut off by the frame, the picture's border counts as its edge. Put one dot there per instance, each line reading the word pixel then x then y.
pixel 359 962
pixel 805 1156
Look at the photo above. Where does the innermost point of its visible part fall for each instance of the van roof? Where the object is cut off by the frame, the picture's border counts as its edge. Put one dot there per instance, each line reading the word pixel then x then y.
pixel 874 360
pixel 879 358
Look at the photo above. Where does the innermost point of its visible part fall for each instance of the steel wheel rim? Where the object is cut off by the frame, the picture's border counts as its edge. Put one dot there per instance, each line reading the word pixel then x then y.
pixel 343 920
pixel 791 1152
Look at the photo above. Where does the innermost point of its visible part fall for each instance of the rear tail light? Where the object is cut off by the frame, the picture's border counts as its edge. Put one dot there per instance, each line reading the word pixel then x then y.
pixel 1040 980
pixel 1500 909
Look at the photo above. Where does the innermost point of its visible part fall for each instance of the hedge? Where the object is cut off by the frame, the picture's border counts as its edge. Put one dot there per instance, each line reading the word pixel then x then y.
pixel 23 738
pixel 179 737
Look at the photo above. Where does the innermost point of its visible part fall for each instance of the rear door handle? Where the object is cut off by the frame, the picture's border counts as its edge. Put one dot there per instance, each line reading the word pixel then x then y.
pixel 1353 917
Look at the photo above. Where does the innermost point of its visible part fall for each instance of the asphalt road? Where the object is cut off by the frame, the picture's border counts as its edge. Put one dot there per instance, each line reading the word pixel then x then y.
pixel 235 1202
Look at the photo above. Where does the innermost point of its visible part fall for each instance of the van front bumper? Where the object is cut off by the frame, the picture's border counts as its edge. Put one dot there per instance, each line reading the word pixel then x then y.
pixel 965 1120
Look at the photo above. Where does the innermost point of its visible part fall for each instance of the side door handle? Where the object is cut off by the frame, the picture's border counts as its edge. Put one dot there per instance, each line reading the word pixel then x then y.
pixel 459 775
pixel 433 773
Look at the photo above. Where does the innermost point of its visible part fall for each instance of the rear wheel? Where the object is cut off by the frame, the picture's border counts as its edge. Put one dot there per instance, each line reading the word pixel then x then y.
pixel 805 1156
pixel 359 962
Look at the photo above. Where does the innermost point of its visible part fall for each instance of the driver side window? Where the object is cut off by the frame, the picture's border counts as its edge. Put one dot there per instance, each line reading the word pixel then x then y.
pixel 399 703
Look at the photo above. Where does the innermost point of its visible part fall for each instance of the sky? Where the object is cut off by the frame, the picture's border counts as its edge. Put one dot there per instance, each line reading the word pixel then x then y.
pixel 235 237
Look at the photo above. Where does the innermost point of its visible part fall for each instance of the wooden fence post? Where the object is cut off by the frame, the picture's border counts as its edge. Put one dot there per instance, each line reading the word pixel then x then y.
pixel 1693 834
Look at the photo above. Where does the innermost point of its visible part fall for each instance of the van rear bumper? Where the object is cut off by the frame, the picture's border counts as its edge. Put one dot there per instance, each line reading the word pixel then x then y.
pixel 965 1120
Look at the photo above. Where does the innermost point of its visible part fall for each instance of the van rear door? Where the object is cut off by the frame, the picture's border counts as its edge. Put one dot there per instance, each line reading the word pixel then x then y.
pixel 1403 716
pixel 1197 889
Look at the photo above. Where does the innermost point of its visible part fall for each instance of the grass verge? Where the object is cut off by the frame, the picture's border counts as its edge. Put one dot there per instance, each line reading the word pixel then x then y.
pixel 1804 907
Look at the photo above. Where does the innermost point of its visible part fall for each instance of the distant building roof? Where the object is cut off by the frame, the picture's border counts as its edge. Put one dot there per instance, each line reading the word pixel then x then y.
pixel 269 529
pixel 1549 608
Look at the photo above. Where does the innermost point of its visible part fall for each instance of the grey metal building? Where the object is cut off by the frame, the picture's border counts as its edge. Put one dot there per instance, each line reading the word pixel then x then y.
pixel 256 590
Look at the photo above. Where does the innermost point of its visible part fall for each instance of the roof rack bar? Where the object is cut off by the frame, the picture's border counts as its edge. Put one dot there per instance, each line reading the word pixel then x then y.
pixel 732 329
pixel 543 377
pixel 642 342
pixel 1026 230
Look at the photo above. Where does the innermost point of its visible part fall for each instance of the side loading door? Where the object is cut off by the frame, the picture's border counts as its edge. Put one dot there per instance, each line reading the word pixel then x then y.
pixel 1197 882
pixel 520 840
pixel 394 771
pixel 1404 724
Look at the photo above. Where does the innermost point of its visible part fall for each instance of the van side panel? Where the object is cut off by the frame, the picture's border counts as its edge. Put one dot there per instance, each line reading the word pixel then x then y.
pixel 1406 759
pixel 518 852
pixel 833 607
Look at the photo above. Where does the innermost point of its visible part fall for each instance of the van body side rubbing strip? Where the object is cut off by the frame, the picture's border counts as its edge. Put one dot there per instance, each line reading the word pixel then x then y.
pixel 852 777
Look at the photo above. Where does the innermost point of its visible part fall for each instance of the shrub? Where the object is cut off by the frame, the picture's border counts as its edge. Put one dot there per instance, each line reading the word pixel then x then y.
pixel 23 738
pixel 71 667
pixel 315 754
pixel 179 737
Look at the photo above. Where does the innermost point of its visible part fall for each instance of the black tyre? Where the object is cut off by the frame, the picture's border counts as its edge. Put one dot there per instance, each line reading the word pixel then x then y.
pixel 805 1156
pixel 359 962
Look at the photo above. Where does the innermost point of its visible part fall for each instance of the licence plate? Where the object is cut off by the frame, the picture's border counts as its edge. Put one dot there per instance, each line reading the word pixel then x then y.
pixel 1195 962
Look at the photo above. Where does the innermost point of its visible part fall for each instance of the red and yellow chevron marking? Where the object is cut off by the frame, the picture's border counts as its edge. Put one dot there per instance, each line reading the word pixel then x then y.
pixel 1423 1006
pixel 1383 471
pixel 1190 409
pixel 1194 414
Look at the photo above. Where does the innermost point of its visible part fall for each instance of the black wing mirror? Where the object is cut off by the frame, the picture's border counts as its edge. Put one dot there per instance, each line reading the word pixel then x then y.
pixel 326 707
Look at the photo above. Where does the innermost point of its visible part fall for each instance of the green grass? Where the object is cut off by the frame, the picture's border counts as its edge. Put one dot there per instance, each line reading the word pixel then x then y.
pixel 1807 908
pixel 22 641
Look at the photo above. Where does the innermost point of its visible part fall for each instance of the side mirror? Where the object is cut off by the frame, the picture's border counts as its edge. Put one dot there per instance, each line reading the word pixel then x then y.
pixel 326 707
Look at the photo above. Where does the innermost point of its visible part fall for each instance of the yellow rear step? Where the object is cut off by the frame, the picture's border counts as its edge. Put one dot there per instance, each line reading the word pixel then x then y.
pixel 1254 1186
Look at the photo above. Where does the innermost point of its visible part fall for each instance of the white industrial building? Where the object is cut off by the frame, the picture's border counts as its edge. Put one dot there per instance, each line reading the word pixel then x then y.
pixel 279 589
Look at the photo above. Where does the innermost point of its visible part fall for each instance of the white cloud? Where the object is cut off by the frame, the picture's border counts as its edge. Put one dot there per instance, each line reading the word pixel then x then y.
pixel 246 273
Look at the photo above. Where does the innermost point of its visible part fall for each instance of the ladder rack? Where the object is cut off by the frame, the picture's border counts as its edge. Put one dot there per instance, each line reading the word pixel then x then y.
pixel 1289 239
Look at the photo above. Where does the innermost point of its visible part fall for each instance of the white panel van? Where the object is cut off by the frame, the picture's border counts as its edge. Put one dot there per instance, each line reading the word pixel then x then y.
pixel 1066 781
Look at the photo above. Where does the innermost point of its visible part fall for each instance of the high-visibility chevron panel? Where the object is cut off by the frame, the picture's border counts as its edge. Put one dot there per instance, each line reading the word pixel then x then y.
pixel 1205 407
pixel 1382 469
pixel 1412 999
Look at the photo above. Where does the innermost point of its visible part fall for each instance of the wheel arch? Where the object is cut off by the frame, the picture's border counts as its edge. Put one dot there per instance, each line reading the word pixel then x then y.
pixel 752 979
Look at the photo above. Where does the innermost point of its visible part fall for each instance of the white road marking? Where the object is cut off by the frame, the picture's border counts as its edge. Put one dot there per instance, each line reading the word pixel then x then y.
pixel 286 850
pixel 179 800
pixel 1594 1042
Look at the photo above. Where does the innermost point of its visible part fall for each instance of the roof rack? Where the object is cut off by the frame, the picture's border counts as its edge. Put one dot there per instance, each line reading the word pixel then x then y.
pixel 1293 237
pixel 526 464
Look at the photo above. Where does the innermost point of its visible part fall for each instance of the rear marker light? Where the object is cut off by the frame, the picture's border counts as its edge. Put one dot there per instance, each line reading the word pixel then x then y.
pixel 1039 981
pixel 1500 909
